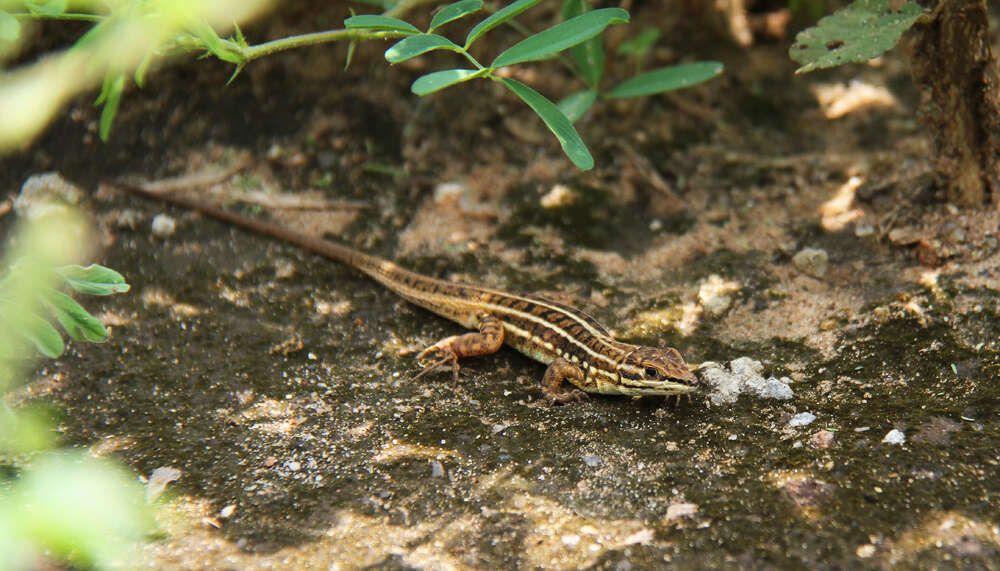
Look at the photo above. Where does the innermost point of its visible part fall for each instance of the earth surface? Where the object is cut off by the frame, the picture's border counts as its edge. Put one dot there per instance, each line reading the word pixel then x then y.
pixel 791 220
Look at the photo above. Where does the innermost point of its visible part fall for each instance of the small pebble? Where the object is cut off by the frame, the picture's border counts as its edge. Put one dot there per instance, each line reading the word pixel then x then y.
pixel 822 439
pixel 129 219
pixel 894 436
pixel 158 481
pixel 448 192
pixel 863 230
pixel 293 466
pixel 560 195
pixel 865 551
pixel 802 419
pixel 437 470
pixel 592 461
pixel 571 539
pixel 771 388
pixel 163 226
pixel 679 510
pixel 745 366
pixel 811 261
pixel 227 511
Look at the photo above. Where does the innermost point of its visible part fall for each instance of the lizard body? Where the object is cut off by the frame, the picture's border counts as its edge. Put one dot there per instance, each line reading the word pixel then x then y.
pixel 576 348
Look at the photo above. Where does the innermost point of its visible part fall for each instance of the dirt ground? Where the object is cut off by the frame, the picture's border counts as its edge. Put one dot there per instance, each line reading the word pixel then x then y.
pixel 788 219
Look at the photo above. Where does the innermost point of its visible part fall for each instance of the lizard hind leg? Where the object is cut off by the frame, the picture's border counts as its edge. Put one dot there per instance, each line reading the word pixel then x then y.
pixel 486 341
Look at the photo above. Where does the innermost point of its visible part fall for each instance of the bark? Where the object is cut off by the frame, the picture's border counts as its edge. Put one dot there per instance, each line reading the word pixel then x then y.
pixel 956 74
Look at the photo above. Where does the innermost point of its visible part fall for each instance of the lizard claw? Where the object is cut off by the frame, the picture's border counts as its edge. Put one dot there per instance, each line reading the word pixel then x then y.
pixel 565 397
pixel 447 355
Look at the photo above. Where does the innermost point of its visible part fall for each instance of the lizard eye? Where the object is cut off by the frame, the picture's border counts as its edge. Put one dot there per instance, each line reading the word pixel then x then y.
pixel 651 373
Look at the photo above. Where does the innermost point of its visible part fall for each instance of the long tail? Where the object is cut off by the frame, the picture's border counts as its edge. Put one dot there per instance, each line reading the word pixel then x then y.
pixel 342 254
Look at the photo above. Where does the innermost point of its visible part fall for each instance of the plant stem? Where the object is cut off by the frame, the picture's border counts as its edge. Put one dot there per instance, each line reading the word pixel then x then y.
pixel 64 16
pixel 274 46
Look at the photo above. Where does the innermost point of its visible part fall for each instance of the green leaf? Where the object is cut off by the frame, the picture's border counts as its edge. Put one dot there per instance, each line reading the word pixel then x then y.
pixel 94 34
pixel 640 44
pixel 588 55
pixel 561 36
pixel 93 279
pixel 574 106
pixel 42 335
pixel 80 324
pixel 238 36
pixel 213 43
pixel 140 71
pixel 10 31
pixel 667 79
pixel 413 46
pixel 440 79
pixel 865 29
pixel 87 511
pixel 454 11
pixel 502 15
pixel 379 23
pixel 558 123
pixel 49 8
pixel 111 96
pixel 350 54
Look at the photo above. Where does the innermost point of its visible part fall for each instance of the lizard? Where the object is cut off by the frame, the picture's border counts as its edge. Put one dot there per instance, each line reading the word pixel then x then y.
pixel 576 348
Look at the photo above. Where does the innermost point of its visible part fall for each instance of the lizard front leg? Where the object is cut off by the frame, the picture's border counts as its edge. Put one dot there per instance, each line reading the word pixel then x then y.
pixel 450 349
pixel 560 371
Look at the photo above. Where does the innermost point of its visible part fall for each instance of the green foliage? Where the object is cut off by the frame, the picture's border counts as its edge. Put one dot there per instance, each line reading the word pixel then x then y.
pixel 569 33
pixel 57 505
pixel 579 28
pixel 86 511
pixel 26 276
pixel 127 37
pixel 556 121
pixel 507 13
pixel 579 33
pixel 666 79
pixel 863 30
pixel 454 12
pixel 640 45
pixel 589 55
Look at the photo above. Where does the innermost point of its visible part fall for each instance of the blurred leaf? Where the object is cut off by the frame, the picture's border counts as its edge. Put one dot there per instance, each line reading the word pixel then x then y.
pixel 213 43
pixel 454 11
pixel 440 79
pixel 574 106
pixel 80 324
pixel 88 511
pixel 379 23
pixel 863 30
pixel 238 36
pixel 50 8
pixel 140 71
pixel 93 279
pixel 640 44
pixel 667 79
pixel 10 31
pixel 413 46
pixel 27 431
pixel 588 55
pixel 560 37
pixel 556 121
pixel 509 11
pixel 39 332
pixel 112 95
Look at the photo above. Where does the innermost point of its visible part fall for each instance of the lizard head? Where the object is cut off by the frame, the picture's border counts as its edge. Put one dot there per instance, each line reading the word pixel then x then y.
pixel 655 371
